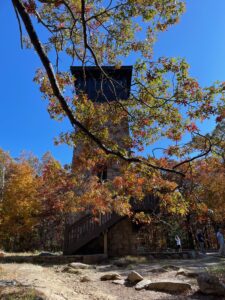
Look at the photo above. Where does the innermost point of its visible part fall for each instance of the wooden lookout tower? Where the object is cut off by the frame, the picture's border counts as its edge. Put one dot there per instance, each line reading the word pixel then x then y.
pixel 113 234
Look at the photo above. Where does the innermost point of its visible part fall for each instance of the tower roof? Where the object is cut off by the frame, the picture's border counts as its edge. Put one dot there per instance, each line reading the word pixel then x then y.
pixel 105 84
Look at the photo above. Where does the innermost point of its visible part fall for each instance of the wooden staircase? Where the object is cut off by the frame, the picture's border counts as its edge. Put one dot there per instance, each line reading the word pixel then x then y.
pixel 87 229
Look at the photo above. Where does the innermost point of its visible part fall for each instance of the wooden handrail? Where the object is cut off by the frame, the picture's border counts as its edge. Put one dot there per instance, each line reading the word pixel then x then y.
pixel 87 228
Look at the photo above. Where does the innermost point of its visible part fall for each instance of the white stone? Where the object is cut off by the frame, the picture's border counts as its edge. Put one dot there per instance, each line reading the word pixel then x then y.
pixel 119 281
pixel 77 265
pixel 142 284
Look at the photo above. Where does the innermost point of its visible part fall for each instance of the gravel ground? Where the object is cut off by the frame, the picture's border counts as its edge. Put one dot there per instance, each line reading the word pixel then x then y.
pixel 59 285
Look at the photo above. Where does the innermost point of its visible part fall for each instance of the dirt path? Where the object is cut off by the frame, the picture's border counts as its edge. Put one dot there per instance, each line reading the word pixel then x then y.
pixel 58 285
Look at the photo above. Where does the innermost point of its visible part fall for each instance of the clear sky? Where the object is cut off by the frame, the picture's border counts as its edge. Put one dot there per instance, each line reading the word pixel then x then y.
pixel 24 121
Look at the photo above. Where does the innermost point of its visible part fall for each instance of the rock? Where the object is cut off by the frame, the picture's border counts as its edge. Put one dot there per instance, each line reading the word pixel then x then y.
pixel 110 276
pixel 158 270
pixel 8 283
pixel 134 277
pixel 210 284
pixel 85 279
pixel 70 270
pixel 142 284
pixel 119 281
pixel 77 265
pixel 191 272
pixel 169 286
pixel 46 254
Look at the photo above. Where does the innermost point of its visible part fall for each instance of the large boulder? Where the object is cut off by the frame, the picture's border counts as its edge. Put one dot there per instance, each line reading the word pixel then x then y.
pixel 134 276
pixel 210 284
pixel 169 286
pixel 142 284
pixel 110 276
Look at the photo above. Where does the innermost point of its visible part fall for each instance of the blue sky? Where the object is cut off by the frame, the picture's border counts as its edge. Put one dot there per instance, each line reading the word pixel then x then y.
pixel 24 121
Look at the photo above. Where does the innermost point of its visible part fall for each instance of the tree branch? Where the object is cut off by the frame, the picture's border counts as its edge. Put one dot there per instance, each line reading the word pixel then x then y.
pixel 197 156
pixel 58 93
pixel 20 27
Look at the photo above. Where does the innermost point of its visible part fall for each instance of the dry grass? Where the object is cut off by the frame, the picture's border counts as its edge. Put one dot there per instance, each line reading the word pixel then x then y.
pixel 219 271
pixel 18 293
pixel 130 260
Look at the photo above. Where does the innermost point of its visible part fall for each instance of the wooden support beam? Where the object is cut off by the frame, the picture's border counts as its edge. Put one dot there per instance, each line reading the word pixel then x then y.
pixel 105 242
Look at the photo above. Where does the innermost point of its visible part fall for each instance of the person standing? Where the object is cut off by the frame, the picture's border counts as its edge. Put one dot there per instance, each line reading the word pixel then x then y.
pixel 201 240
pixel 220 240
pixel 178 243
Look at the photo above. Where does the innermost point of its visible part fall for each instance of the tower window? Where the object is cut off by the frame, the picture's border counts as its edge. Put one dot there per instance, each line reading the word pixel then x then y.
pixel 102 174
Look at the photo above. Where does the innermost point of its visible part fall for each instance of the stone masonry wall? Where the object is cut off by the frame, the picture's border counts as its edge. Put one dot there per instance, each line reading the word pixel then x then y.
pixel 122 239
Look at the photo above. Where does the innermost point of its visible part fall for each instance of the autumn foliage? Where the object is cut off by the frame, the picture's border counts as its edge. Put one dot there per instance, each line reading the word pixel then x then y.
pixel 39 196
pixel 34 202
pixel 166 106
pixel 19 207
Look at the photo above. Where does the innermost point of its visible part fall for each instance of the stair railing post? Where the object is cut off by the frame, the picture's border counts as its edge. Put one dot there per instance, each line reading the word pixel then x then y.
pixel 66 239
pixel 105 234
